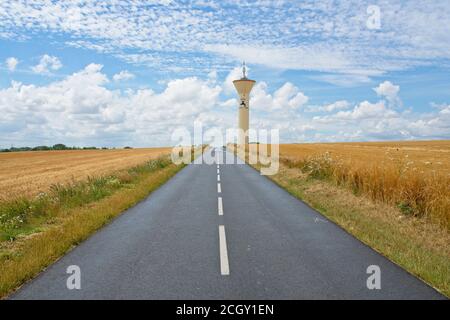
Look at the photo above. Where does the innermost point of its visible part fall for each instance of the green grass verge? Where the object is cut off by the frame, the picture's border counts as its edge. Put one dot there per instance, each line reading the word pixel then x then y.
pixel 34 233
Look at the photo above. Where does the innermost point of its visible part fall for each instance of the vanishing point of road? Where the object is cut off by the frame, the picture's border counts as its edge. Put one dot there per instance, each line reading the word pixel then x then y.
pixel 223 232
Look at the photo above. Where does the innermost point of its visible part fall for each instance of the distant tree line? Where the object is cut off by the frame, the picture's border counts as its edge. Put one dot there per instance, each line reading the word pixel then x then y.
pixel 58 146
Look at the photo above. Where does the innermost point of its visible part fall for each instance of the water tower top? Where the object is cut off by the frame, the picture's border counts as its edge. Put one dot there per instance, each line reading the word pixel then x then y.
pixel 244 71
pixel 244 85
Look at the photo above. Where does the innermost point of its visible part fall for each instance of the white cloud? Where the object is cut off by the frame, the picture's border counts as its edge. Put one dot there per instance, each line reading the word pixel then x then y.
pixel 287 96
pixel 230 103
pixel 389 91
pixel 46 64
pixel 299 58
pixel 338 105
pixel 445 110
pixel 234 74
pixel 11 63
pixel 377 121
pixel 81 108
pixel 326 36
pixel 212 76
pixel 123 75
pixel 364 110
pixel 344 80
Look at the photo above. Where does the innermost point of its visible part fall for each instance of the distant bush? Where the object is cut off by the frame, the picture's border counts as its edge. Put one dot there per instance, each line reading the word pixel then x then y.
pixel 41 148
pixel 58 146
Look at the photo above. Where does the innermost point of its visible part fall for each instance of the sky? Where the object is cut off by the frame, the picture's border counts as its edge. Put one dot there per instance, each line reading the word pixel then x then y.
pixel 117 72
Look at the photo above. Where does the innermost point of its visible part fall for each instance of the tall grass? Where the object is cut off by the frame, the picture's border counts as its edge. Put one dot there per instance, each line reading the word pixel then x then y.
pixel 415 193
pixel 23 215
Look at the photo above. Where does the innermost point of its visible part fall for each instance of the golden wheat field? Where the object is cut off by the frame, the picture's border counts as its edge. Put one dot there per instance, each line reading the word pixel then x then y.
pixel 426 156
pixel 414 176
pixel 28 173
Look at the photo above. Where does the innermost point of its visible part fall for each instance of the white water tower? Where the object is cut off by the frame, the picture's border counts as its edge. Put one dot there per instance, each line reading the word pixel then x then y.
pixel 244 86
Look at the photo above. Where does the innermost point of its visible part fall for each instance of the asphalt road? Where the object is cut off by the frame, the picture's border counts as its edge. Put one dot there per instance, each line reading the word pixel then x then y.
pixel 256 242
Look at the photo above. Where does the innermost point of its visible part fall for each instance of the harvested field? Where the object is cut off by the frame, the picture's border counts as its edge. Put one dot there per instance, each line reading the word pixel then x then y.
pixel 28 173
pixel 426 156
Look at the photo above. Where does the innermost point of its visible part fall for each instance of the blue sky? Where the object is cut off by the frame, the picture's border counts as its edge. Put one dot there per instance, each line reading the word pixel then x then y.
pixel 130 72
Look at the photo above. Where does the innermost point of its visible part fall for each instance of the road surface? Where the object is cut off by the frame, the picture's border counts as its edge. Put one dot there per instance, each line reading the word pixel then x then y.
pixel 223 232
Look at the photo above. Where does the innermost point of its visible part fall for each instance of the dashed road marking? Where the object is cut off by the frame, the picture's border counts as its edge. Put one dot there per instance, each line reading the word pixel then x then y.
pixel 219 189
pixel 224 266
pixel 218 177
pixel 220 206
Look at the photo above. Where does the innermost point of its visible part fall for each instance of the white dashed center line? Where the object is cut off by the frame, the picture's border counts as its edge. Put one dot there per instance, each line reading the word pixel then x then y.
pixel 220 206
pixel 224 267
